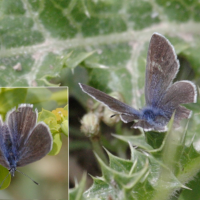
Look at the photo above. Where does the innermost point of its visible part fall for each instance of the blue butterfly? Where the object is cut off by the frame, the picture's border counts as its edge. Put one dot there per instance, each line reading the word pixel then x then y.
pixel 22 139
pixel 162 96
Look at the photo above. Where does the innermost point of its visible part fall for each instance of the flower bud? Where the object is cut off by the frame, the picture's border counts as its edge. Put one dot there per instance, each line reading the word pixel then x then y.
pixel 90 124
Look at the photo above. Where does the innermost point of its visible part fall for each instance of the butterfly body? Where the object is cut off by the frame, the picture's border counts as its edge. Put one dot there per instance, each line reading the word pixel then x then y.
pixel 9 150
pixel 163 97
pixel 150 114
pixel 153 116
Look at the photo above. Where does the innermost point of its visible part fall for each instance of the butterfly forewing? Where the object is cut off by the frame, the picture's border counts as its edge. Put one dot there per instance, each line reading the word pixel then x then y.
pixel 37 146
pixel 161 68
pixel 21 121
pixel 128 118
pixel 114 104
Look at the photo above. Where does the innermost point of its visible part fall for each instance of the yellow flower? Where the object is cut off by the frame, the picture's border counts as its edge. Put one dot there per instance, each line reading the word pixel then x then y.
pixel 52 124
pixel 60 113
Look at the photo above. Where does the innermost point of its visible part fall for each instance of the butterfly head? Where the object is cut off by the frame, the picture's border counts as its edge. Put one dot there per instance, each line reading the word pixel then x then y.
pixel 12 171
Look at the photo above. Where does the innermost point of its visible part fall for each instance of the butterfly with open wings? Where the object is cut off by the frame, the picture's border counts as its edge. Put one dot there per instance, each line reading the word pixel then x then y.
pixel 162 96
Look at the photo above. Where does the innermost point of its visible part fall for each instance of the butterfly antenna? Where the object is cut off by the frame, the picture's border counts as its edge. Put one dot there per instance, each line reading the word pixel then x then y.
pixel 28 177
pixel 4 179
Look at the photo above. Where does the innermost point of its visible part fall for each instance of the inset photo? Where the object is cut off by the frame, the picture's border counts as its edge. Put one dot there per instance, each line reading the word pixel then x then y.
pixel 34 143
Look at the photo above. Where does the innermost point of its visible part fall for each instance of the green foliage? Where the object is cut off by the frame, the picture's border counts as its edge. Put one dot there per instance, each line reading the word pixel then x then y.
pixel 57 120
pixel 149 174
pixel 11 97
pixel 5 177
pixel 77 192
pixel 37 35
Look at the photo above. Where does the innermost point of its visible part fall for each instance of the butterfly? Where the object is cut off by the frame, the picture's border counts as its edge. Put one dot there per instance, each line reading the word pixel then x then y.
pixel 22 139
pixel 162 96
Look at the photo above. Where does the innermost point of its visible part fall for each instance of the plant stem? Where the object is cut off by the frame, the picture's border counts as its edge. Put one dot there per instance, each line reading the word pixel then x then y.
pixel 98 148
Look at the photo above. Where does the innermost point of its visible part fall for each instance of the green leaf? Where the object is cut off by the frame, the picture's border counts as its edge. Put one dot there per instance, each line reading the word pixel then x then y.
pixel 138 141
pixel 118 164
pixel 65 127
pixel 45 114
pixel 5 177
pixel 76 193
pixel 37 95
pixel 118 179
pixel 57 144
pixel 61 97
pixel 36 35
pixel 65 123
pixel 11 97
pixel 76 58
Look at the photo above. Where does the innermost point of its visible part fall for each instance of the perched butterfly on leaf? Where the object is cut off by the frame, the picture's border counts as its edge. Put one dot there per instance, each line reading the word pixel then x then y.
pixel 162 96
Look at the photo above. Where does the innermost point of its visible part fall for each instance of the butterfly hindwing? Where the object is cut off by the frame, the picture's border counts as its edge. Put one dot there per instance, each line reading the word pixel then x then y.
pixel 181 113
pixel 181 92
pixel 38 144
pixel 148 127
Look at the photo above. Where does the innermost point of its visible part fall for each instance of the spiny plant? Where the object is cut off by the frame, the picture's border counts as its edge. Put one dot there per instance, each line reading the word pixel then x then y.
pixel 155 170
